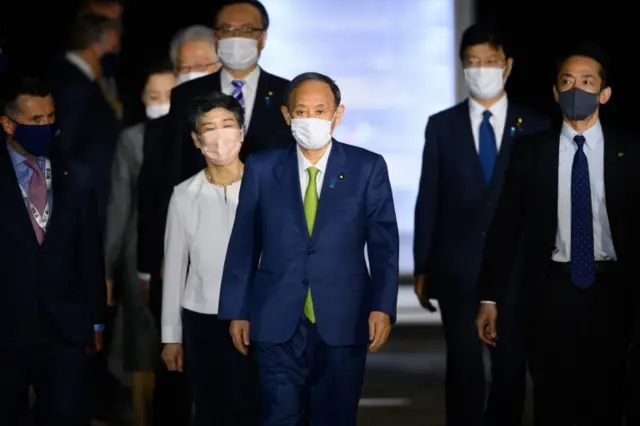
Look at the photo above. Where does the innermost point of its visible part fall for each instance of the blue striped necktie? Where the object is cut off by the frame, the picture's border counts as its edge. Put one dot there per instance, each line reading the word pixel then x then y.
pixel 583 266
pixel 488 149
pixel 237 91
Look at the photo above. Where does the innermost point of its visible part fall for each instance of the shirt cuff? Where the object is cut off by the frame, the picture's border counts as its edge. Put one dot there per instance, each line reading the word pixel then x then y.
pixel 98 327
pixel 488 302
pixel 144 276
pixel 172 334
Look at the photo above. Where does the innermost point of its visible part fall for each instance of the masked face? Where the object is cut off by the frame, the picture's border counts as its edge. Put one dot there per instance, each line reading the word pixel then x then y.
pixel 577 104
pixel 157 110
pixel 33 128
pixel 580 89
pixel 484 82
pixel 238 53
pixel 312 133
pixel 221 146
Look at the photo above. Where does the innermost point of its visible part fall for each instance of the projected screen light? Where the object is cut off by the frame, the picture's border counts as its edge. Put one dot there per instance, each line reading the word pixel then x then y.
pixel 395 63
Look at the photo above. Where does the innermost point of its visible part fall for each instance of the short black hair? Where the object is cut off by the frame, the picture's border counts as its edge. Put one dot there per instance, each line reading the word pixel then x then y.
pixel 203 104
pixel 313 76
pixel 90 28
pixel 481 34
pixel 264 16
pixel 161 67
pixel 591 50
pixel 16 86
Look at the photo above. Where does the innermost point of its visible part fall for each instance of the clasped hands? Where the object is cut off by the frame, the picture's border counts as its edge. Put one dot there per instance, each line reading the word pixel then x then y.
pixel 379 330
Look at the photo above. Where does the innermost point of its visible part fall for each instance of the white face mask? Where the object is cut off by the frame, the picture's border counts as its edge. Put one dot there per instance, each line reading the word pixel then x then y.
pixel 311 133
pixel 484 83
pixel 158 110
pixel 188 76
pixel 238 53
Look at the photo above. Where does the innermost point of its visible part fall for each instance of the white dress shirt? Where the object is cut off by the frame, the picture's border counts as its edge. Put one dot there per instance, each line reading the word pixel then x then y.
pixel 248 91
pixel 594 150
pixel 81 64
pixel 199 225
pixel 497 120
pixel 304 164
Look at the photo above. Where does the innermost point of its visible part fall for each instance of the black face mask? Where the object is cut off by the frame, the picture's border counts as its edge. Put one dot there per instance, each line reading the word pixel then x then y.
pixel 576 104
pixel 110 63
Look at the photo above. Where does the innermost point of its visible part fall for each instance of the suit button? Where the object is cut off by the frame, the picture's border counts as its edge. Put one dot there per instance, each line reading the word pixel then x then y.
pixel 305 282
pixel 311 252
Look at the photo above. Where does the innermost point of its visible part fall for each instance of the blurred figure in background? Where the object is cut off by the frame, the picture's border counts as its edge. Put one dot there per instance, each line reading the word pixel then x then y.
pixel 467 148
pixel 141 342
pixel 89 130
pixel 193 55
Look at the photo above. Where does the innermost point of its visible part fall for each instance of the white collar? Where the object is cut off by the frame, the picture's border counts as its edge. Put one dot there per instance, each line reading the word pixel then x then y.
pixel 498 109
pixel 81 64
pixel 593 135
pixel 251 81
pixel 321 165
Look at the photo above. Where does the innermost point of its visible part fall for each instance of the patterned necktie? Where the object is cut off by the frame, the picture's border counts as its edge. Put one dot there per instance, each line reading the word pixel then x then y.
pixel 37 193
pixel 488 148
pixel 237 91
pixel 583 268
pixel 310 208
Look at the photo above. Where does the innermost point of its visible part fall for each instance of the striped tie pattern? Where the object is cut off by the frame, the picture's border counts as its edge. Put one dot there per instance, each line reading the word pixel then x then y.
pixel 237 91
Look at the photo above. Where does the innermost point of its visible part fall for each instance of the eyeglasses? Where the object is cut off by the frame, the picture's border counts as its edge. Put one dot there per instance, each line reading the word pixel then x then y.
pixel 226 32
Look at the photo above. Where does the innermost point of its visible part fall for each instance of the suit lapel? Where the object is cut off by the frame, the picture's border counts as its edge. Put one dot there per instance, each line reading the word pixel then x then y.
pixel 504 152
pixel 59 185
pixel 288 177
pixel 467 149
pixel 331 187
pixel 549 151
pixel 12 201
pixel 261 104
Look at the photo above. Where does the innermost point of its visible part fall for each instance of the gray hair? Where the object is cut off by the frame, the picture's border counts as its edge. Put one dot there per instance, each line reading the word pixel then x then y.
pixel 186 35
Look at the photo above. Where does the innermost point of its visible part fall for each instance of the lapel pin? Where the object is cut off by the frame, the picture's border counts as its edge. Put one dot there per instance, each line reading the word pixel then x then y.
pixel 620 154
pixel 332 183
pixel 512 131
pixel 341 176
pixel 267 100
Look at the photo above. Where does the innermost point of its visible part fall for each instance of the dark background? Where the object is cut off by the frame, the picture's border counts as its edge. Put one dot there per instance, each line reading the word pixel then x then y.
pixel 537 30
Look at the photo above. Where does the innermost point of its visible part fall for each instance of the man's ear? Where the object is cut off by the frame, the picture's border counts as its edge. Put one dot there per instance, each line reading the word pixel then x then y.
pixel 285 114
pixel 339 114
pixel 263 41
pixel 196 140
pixel 7 125
pixel 508 68
pixel 605 95
pixel 555 93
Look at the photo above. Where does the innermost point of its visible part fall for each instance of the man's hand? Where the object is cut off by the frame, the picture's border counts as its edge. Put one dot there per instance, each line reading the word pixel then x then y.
pixel 486 323
pixel 379 330
pixel 145 289
pixel 422 291
pixel 172 356
pixel 97 343
pixel 110 300
pixel 239 330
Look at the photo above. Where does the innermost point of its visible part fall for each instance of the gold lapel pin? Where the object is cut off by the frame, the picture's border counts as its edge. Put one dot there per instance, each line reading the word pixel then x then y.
pixel 620 154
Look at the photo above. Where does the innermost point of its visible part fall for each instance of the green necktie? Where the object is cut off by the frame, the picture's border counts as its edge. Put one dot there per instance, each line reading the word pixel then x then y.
pixel 310 208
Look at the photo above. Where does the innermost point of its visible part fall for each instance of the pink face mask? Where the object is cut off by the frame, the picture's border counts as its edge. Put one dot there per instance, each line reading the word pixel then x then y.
pixel 221 146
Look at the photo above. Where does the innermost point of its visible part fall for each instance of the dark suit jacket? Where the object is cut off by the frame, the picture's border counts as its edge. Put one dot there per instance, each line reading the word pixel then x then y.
pixel 455 205
pixel 153 201
pixel 529 205
pixel 267 129
pixel 61 283
pixel 89 126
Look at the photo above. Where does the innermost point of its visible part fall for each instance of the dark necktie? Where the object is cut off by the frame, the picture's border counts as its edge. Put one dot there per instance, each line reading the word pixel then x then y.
pixel 583 267
pixel 37 194
pixel 488 148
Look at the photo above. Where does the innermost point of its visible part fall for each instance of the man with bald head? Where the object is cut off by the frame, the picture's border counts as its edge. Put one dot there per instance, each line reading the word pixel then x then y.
pixel 295 285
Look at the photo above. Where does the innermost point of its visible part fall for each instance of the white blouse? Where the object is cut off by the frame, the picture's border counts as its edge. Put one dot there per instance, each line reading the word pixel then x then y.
pixel 199 225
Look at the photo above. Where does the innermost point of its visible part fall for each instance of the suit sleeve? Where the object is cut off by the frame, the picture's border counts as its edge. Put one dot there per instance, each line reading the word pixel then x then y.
pixel 91 259
pixel 427 202
pixel 504 231
pixel 120 202
pixel 244 250
pixel 383 245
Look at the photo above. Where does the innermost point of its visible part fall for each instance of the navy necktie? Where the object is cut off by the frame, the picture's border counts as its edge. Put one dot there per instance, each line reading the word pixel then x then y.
pixel 583 267
pixel 488 148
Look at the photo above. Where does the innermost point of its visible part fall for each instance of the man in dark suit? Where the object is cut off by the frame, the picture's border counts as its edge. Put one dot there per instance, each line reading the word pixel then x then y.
pixel 240 28
pixel 572 194
pixel 87 117
pixel 466 151
pixel 51 266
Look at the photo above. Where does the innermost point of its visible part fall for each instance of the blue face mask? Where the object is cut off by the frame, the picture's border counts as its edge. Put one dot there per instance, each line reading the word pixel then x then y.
pixel 35 139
